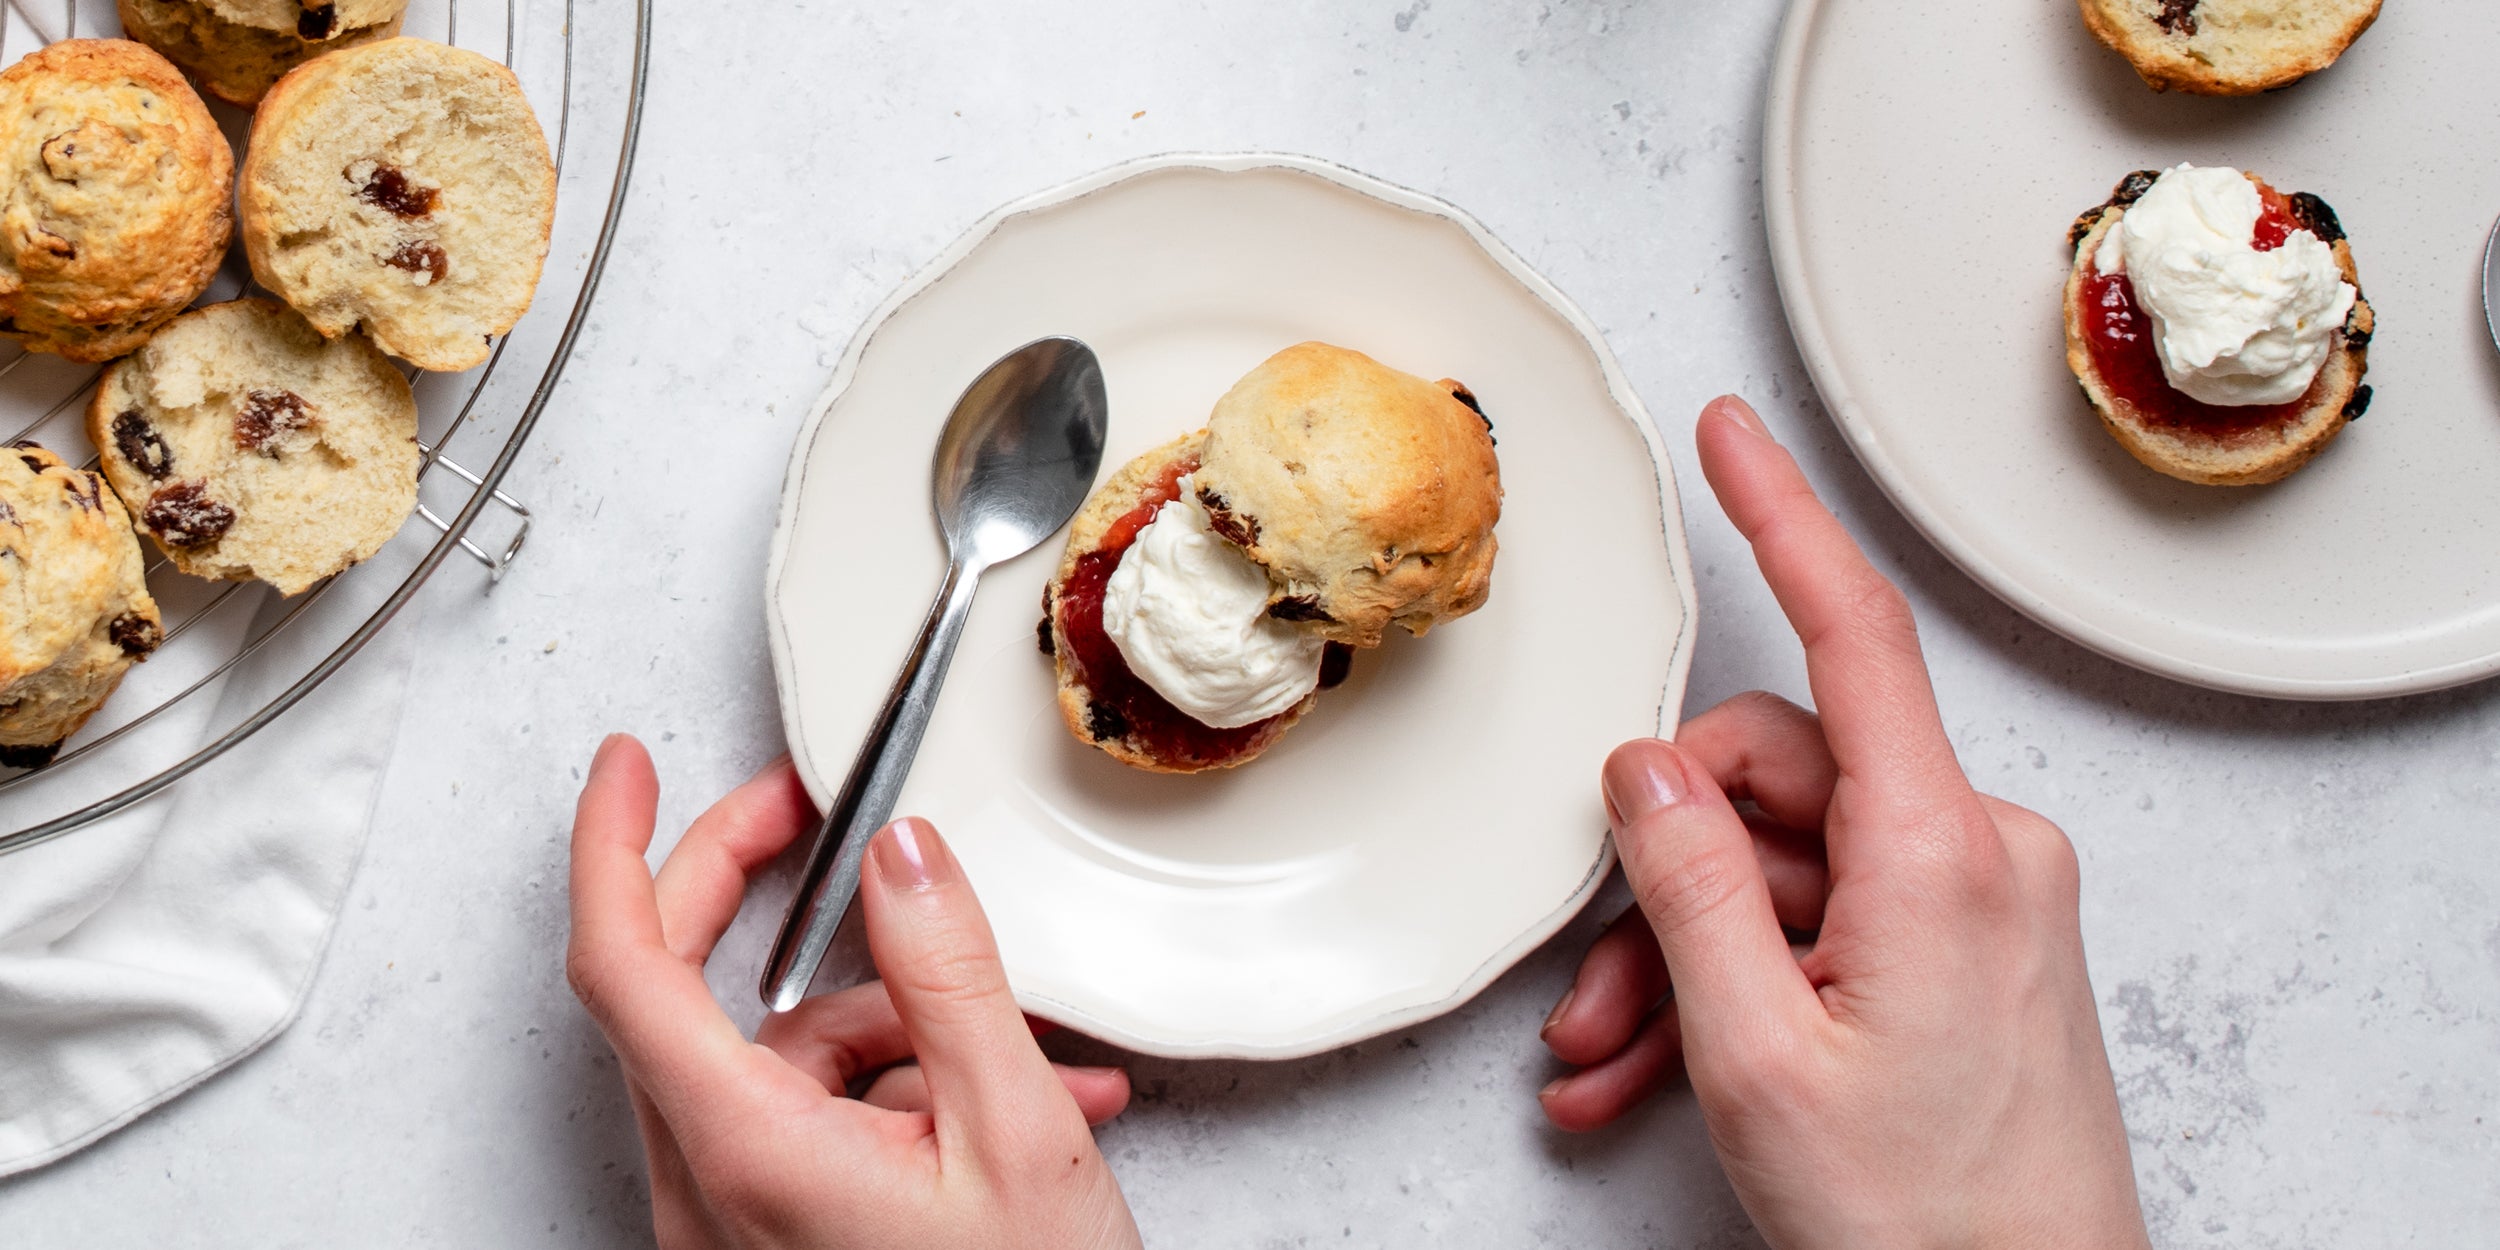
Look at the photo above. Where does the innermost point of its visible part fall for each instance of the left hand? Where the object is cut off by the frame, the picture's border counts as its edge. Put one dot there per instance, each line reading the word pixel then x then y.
pixel 983 1143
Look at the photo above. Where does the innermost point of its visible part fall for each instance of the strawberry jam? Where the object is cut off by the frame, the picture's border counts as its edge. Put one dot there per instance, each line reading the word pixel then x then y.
pixel 1124 706
pixel 2121 335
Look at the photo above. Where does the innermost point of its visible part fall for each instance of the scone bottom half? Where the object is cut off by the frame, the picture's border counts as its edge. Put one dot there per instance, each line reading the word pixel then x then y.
pixel 2109 351
pixel 2228 47
pixel 78 609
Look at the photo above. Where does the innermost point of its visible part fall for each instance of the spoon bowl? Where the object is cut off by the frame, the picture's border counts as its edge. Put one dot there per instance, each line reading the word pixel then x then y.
pixel 2491 285
pixel 1014 462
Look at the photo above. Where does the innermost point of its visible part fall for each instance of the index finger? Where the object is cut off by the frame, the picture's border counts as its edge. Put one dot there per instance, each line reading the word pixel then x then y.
pixel 1863 661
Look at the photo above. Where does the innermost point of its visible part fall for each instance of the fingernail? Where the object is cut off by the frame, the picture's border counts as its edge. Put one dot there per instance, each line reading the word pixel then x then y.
pixel 1093 1071
pixel 1552 1088
pixel 1641 778
pixel 607 747
pixel 1741 413
pixel 1555 1016
pixel 908 853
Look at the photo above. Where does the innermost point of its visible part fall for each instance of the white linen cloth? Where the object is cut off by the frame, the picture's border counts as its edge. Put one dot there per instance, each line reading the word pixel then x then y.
pixel 144 954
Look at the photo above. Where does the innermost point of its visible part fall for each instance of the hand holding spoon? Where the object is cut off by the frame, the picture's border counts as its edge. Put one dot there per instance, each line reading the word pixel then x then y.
pixel 1015 461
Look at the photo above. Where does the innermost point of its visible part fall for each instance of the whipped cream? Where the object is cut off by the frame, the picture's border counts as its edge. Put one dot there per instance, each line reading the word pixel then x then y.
pixel 1188 612
pixel 2232 325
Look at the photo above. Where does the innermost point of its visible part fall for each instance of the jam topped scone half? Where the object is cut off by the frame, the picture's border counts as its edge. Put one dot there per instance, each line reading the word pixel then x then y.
pixel 1214 585
pixel 2217 324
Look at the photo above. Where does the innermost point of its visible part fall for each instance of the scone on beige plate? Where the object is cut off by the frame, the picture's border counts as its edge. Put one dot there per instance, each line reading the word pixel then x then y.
pixel 236 49
pixel 75 613
pixel 2217 325
pixel 1216 584
pixel 113 212
pixel 2228 47
pixel 249 446
pixel 404 186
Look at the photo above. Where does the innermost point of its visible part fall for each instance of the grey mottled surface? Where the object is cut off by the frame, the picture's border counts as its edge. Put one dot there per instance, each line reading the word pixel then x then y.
pixel 2293 912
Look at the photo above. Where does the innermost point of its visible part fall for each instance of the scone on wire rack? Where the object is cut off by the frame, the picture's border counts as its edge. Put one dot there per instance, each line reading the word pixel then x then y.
pixel 75 612
pixel 404 186
pixel 249 446
pixel 114 186
pixel 2217 325
pixel 1214 586
pixel 2228 47
pixel 237 49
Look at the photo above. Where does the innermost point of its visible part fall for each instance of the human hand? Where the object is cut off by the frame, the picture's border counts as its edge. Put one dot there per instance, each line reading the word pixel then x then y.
pixel 1931 1072
pixel 982 1144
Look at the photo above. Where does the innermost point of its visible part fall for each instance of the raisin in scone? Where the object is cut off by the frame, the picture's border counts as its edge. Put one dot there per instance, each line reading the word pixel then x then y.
pixel 1369 495
pixel 75 613
pixel 249 446
pixel 237 51
pixel 2223 338
pixel 404 186
pixel 114 214
pixel 2228 47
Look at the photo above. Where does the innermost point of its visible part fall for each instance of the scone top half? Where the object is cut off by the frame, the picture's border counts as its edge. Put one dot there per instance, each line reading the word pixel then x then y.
pixel 1369 495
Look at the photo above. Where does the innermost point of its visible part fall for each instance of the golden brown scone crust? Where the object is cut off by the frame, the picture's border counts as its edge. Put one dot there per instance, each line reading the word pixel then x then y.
pixel 306 18
pixel 75 613
pixel 1368 495
pixel 2228 47
pixel 234 62
pixel 2268 454
pixel 1114 499
pixel 114 211
pixel 434 264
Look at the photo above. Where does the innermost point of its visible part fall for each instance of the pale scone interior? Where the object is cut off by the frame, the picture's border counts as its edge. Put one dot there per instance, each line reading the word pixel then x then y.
pixel 248 446
pixel 75 612
pixel 406 186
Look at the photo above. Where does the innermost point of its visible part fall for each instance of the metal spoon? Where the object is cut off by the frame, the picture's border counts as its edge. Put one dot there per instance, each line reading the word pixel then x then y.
pixel 1015 461
pixel 2491 285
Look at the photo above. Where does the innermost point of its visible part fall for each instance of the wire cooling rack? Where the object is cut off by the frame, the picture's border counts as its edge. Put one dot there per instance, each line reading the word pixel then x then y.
pixel 583 66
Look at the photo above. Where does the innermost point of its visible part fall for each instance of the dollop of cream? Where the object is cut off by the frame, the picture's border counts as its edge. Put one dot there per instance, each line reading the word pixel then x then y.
pixel 2232 325
pixel 1189 612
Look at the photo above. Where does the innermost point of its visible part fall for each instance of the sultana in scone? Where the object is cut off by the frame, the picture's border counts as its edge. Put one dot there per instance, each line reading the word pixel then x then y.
pixel 114 185
pixel 236 51
pixel 249 446
pixel 75 613
pixel 2228 47
pixel 404 186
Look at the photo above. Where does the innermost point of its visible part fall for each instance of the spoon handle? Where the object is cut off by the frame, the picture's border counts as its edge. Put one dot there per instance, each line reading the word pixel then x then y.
pixel 867 796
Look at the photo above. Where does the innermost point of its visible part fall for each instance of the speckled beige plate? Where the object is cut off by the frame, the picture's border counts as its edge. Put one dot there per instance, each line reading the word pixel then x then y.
pixel 1437 816
pixel 1923 163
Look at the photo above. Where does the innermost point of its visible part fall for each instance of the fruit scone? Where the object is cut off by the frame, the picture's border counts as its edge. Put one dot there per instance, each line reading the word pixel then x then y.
pixel 249 446
pixel 404 186
pixel 75 613
pixel 1214 585
pixel 2217 324
pixel 2227 47
pixel 237 49
pixel 114 183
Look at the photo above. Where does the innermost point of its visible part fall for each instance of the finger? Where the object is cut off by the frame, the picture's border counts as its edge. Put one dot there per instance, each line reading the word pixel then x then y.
pixel 1101 1094
pixel 1595 1097
pixel 705 877
pixel 1862 652
pixel 990 1088
pixel 1762 747
pixel 1620 980
pixel 654 1007
pixel 1794 869
pixel 840 1037
pixel 1691 864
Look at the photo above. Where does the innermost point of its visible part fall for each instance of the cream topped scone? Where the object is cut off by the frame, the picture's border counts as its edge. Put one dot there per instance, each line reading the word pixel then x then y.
pixel 1192 624
pixel 2216 324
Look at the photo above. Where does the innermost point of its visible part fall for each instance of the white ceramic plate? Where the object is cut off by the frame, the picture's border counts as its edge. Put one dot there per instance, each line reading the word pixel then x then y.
pixel 1437 816
pixel 1923 164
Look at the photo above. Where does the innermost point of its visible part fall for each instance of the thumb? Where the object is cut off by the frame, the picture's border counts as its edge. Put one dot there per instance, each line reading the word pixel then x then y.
pixel 989 1084
pixel 1692 866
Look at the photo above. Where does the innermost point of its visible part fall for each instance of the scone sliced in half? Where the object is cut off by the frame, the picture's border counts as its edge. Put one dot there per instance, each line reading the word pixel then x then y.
pixel 404 186
pixel 75 612
pixel 2228 47
pixel 114 184
pixel 2233 377
pixel 237 51
pixel 249 446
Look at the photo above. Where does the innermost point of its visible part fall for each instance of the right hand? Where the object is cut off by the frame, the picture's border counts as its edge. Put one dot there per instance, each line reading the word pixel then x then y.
pixel 1931 1072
